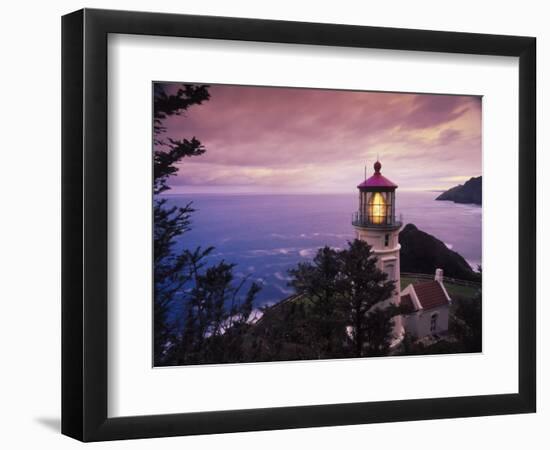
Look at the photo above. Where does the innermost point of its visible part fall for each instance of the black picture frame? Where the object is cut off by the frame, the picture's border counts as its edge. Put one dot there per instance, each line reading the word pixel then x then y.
pixel 84 224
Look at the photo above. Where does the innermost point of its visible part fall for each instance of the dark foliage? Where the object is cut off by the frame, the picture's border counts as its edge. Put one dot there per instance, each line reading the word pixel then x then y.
pixel 168 155
pixel 168 151
pixel 321 282
pixel 216 319
pixel 175 103
pixel 344 299
pixel 213 310
pixel 410 347
pixel 284 333
pixel 171 272
pixel 365 289
pixel 466 325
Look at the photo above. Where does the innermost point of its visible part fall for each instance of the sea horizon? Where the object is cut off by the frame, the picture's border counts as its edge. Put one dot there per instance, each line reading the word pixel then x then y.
pixel 350 192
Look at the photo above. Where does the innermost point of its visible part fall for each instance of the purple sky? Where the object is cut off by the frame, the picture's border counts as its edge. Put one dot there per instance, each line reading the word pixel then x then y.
pixel 285 140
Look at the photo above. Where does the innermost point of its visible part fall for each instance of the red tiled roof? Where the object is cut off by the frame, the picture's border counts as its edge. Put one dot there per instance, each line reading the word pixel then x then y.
pixel 430 294
pixel 407 303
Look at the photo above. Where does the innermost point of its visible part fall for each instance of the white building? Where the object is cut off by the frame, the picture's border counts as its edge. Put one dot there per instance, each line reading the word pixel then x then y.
pixel 427 308
pixel 427 304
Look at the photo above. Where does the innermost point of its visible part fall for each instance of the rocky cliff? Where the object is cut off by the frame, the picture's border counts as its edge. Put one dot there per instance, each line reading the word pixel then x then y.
pixel 469 192
pixel 423 253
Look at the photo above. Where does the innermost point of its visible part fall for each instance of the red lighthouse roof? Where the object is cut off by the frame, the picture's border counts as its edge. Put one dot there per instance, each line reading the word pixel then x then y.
pixel 377 180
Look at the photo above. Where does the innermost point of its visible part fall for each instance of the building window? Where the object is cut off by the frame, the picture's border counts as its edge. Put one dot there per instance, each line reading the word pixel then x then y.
pixel 390 271
pixel 386 240
pixel 433 323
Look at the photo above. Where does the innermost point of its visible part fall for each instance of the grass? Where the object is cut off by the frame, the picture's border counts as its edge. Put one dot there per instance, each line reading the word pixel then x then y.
pixel 454 290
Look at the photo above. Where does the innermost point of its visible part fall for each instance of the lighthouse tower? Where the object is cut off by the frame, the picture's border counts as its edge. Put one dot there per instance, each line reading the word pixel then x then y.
pixel 375 223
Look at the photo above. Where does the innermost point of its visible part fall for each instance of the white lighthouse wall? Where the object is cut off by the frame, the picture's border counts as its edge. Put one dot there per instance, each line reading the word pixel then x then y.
pixel 376 239
pixel 388 259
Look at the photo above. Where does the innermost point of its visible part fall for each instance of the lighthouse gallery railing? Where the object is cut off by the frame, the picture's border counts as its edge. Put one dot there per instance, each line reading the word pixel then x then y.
pixel 368 220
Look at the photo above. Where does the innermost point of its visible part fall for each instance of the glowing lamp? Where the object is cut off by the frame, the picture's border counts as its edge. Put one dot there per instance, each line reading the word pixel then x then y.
pixel 377 208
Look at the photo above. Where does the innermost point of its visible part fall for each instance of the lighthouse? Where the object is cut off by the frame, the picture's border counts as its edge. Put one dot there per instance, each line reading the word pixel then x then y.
pixel 375 223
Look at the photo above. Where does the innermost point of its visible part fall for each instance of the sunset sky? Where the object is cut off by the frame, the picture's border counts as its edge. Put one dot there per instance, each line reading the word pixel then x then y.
pixel 287 140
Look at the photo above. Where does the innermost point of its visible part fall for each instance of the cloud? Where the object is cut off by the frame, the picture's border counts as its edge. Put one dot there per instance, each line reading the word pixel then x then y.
pixel 433 110
pixel 448 136
pixel 261 139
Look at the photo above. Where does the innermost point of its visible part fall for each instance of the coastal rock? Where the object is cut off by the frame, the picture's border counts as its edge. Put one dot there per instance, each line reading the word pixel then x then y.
pixel 469 192
pixel 423 253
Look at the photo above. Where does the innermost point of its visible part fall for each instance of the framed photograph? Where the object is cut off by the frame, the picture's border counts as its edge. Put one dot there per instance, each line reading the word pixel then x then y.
pixel 273 224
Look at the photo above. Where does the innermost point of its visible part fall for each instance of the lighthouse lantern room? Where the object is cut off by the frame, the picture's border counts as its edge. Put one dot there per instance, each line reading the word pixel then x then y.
pixel 376 201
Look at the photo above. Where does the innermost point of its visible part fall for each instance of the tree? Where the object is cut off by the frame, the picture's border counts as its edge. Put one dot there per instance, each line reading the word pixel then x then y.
pixel 320 282
pixel 283 333
pixel 216 318
pixel 365 291
pixel 348 293
pixel 168 151
pixel 214 315
pixel 466 323
pixel 169 222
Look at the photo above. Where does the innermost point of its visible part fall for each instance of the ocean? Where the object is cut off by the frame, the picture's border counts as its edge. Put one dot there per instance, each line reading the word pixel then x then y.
pixel 265 235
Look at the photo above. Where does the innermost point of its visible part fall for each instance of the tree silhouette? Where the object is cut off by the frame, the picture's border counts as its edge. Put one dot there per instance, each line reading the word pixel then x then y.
pixel 365 292
pixel 320 282
pixel 348 315
pixel 467 325
pixel 213 313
